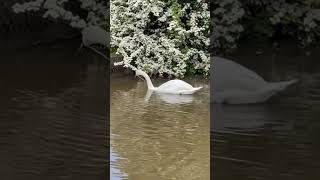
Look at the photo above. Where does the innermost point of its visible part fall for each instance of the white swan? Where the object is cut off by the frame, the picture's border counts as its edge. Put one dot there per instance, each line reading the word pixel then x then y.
pixel 235 84
pixel 171 87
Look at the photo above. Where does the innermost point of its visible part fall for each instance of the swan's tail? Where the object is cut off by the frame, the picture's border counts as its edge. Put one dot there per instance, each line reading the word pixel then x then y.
pixel 190 91
pixel 279 86
pixel 275 87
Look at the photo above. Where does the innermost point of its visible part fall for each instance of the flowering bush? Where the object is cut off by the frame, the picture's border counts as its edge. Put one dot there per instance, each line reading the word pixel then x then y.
pixel 161 37
pixel 302 16
pixel 232 19
pixel 226 26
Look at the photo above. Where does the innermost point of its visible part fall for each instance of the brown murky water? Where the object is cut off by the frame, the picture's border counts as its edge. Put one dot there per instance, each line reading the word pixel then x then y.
pixel 53 125
pixel 277 140
pixel 53 115
pixel 157 136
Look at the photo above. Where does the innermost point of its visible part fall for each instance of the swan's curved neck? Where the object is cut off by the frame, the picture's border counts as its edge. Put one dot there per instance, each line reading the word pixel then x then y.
pixel 149 82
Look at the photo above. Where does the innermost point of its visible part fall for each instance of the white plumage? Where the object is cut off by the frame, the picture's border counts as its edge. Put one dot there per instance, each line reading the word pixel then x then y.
pixel 235 84
pixel 171 87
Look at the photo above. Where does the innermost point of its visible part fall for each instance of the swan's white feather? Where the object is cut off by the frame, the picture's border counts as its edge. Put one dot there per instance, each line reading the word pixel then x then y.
pixel 228 75
pixel 235 84
pixel 171 87
pixel 176 87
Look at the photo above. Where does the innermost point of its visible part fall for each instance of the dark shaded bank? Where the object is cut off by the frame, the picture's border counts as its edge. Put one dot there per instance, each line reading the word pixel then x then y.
pixel 30 29
pixel 25 30
pixel 54 113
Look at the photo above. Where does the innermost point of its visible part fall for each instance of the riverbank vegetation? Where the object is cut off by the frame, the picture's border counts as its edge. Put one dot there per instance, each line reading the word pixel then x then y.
pixel 171 37
pixel 162 37
pixel 267 20
pixel 88 16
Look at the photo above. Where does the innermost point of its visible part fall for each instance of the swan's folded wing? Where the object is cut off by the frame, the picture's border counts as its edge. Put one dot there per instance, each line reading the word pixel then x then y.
pixel 247 97
pixel 192 91
pixel 229 66
pixel 174 86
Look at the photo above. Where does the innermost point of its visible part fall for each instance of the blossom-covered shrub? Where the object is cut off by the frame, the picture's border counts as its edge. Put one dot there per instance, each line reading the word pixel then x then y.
pixel 226 26
pixel 161 37
pixel 299 20
pixel 233 19
pixel 90 23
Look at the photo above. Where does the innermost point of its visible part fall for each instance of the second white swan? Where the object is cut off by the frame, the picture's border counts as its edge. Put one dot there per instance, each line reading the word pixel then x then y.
pixel 235 84
pixel 171 87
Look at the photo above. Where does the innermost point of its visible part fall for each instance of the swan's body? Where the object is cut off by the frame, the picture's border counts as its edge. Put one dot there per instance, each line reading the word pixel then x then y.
pixel 176 87
pixel 171 87
pixel 235 84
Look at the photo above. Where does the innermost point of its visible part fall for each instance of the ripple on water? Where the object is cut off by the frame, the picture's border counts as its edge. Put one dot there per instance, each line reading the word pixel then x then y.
pixel 158 136
pixel 47 128
pixel 276 140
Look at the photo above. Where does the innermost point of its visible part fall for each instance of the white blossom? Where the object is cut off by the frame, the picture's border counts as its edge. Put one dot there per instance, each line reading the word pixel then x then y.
pixel 162 50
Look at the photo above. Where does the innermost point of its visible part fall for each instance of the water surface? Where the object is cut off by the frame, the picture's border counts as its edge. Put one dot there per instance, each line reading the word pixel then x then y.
pixel 53 114
pixel 279 139
pixel 158 136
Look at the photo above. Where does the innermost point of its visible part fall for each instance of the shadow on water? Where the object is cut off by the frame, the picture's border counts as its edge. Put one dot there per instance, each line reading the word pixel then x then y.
pixel 156 136
pixel 275 140
pixel 53 114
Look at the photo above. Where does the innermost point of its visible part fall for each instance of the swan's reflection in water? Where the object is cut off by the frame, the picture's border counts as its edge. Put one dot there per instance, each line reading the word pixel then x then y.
pixel 115 171
pixel 157 136
pixel 170 98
